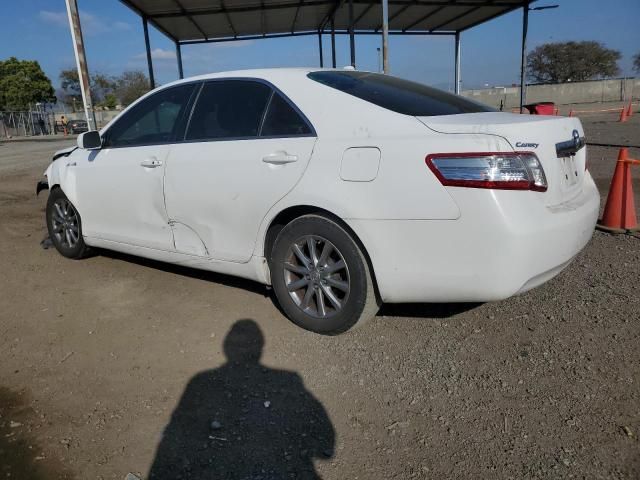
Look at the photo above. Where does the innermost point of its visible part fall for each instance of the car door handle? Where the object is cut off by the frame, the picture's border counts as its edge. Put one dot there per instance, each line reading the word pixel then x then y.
pixel 151 162
pixel 279 158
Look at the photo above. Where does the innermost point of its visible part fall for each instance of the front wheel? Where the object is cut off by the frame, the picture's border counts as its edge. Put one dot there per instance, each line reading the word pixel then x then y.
pixel 320 276
pixel 64 226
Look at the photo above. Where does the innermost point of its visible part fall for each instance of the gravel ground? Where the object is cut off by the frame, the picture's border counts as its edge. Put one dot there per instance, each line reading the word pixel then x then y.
pixel 101 356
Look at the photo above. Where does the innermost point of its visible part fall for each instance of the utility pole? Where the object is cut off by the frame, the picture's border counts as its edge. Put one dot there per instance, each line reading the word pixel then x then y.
pixel 525 27
pixel 81 62
pixel 385 36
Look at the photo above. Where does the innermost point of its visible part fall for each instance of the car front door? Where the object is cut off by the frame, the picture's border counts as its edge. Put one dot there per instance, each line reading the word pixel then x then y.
pixel 245 147
pixel 120 187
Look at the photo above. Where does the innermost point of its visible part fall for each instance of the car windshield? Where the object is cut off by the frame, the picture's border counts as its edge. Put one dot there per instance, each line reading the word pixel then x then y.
pixel 398 95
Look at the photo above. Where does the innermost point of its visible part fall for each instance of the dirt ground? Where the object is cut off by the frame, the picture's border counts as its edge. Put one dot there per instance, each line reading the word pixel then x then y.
pixel 99 357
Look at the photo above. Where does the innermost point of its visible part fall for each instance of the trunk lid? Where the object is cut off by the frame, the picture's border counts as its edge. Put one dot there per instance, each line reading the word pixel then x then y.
pixel 550 138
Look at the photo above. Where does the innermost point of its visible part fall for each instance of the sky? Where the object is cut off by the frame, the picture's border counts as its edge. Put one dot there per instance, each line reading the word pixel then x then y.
pixel 114 42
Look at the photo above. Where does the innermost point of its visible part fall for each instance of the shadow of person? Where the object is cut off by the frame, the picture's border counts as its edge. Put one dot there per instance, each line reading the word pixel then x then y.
pixel 244 421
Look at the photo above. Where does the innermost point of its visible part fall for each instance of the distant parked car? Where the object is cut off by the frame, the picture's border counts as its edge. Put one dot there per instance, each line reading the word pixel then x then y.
pixel 342 189
pixel 77 126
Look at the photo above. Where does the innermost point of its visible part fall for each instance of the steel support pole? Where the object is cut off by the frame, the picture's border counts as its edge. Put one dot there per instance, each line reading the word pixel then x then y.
pixel 145 28
pixel 81 62
pixel 179 59
pixel 523 60
pixel 320 49
pixel 385 36
pixel 333 43
pixel 457 79
pixel 352 36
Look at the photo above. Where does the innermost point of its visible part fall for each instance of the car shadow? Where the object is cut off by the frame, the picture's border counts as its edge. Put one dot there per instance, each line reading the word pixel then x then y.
pixel 410 310
pixel 244 421
pixel 426 310
pixel 206 275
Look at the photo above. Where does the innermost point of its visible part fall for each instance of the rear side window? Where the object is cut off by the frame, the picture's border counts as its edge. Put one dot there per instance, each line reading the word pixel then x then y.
pixel 228 109
pixel 283 120
pixel 398 95
pixel 154 120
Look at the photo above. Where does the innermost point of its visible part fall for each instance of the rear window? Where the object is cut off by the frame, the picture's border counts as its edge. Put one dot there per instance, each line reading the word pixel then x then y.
pixel 398 95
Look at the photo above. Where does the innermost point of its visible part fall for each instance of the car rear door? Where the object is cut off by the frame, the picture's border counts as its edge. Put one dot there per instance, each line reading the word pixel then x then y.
pixel 120 187
pixel 245 147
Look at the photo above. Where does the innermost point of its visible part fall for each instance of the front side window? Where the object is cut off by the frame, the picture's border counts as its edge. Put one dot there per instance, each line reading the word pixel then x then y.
pixel 398 95
pixel 228 109
pixel 154 120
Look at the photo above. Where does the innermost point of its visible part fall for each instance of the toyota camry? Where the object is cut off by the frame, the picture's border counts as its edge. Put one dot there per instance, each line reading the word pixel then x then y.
pixel 341 189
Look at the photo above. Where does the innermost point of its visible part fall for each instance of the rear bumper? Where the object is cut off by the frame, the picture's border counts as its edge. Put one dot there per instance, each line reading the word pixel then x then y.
pixel 504 243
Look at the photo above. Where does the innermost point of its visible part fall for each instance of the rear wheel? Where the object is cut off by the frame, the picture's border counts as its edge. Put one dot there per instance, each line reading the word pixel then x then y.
pixel 64 226
pixel 320 276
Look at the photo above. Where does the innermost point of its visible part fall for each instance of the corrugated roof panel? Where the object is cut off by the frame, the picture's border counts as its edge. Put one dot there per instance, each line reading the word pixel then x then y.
pixel 411 14
pixel 476 16
pixel 214 26
pixel 181 28
pixel 258 17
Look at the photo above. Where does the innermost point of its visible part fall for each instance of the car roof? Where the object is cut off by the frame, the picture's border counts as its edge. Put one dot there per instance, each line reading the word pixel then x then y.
pixel 318 102
pixel 262 73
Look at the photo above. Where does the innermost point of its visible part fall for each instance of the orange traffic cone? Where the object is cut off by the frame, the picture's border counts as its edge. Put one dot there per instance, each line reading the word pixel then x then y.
pixel 571 113
pixel 630 110
pixel 623 115
pixel 619 213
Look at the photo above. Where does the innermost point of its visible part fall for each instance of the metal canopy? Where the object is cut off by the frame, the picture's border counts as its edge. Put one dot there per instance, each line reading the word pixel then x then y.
pixel 195 21
pixel 201 21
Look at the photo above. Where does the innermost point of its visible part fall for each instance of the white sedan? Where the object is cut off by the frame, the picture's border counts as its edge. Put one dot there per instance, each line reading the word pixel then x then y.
pixel 342 189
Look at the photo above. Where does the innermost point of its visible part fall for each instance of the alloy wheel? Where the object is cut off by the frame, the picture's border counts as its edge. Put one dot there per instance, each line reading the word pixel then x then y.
pixel 64 221
pixel 316 276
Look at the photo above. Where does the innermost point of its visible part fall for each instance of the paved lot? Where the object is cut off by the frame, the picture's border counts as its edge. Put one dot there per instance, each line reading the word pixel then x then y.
pixel 100 356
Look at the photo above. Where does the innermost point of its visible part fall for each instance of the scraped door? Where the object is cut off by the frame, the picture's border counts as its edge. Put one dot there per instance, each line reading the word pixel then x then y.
pixel 246 147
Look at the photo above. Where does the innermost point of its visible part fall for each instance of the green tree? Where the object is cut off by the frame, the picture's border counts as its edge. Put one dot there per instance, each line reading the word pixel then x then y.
pixel 102 87
pixel 106 91
pixel 571 62
pixel 110 101
pixel 130 86
pixel 70 84
pixel 636 62
pixel 23 83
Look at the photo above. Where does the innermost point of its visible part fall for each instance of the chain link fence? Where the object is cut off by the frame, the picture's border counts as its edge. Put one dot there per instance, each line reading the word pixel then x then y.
pixel 26 123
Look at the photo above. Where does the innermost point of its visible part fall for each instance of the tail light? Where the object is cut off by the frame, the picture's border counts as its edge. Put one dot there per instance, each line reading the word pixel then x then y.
pixel 504 170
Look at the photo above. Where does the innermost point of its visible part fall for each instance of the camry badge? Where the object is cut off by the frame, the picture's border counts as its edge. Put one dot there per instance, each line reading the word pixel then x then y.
pixel 526 145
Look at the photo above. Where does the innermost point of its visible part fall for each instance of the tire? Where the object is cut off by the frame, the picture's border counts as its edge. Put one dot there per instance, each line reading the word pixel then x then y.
pixel 64 226
pixel 312 287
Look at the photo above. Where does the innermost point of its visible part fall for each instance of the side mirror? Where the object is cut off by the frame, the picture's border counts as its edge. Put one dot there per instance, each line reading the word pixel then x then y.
pixel 89 140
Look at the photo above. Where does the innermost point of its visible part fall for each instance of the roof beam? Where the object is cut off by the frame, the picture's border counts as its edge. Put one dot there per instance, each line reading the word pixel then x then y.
pixel 190 18
pixel 440 3
pixel 295 17
pixel 226 14
pixel 366 10
pixel 423 3
pixel 311 32
pixel 141 14
pixel 499 14
pixel 399 11
pixel 457 17
pixel 232 9
pixel 331 13
pixel 423 18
